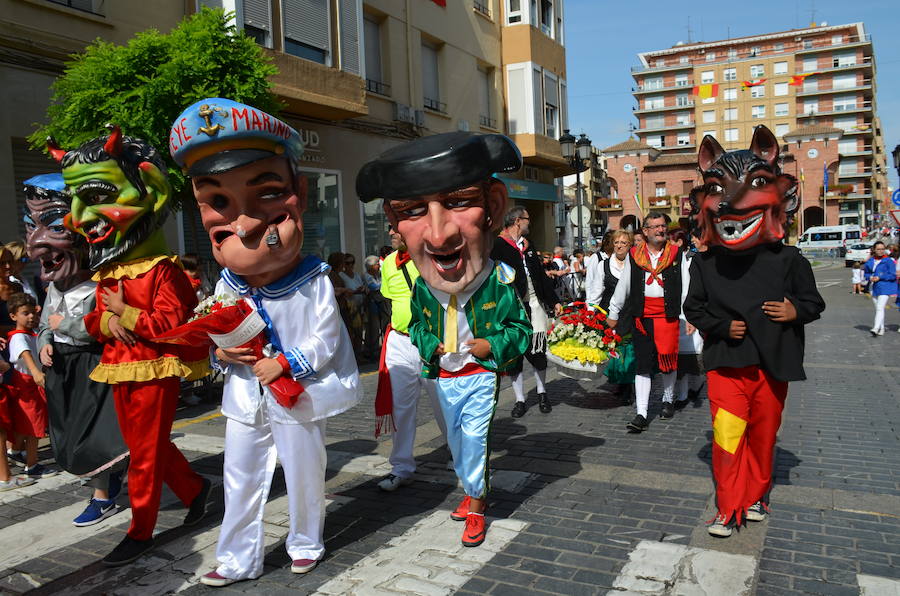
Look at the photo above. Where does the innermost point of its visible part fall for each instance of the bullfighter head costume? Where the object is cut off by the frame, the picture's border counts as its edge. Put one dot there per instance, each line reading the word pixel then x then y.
pixel 84 431
pixel 750 295
pixel 120 199
pixel 467 323
pixel 243 165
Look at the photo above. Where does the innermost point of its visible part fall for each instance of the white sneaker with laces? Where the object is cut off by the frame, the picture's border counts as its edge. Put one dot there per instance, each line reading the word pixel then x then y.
pixel 756 512
pixel 15 482
pixel 719 527
pixel 392 483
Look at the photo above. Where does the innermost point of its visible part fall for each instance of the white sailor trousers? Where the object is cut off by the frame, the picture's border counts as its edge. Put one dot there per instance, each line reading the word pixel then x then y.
pixel 250 454
pixel 405 366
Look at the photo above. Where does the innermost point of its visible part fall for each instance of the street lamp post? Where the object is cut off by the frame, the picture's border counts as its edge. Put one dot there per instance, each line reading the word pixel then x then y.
pixel 576 152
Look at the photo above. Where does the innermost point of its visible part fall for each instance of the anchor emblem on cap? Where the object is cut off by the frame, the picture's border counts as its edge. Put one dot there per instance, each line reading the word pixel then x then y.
pixel 207 113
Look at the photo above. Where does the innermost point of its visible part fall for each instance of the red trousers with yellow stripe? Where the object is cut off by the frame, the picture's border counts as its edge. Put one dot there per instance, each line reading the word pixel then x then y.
pixel 146 412
pixel 746 405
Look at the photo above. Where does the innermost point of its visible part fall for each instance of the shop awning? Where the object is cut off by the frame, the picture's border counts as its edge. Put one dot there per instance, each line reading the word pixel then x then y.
pixel 528 190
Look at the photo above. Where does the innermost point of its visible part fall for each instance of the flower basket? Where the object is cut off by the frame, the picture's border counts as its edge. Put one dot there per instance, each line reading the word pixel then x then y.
pixel 580 341
pixel 229 322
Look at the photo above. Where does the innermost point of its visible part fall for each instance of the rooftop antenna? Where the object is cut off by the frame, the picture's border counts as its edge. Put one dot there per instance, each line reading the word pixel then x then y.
pixel 812 13
pixel 702 36
pixel 689 30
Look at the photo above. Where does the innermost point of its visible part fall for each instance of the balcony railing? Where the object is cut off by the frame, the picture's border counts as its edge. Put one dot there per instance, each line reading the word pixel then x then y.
pixel 378 87
pixel 681 106
pixel 790 47
pixel 865 84
pixel 659 88
pixel 605 204
pixel 836 67
pixel 818 45
pixel 676 126
pixel 88 6
pixel 434 105
pixel 482 7
pixel 839 109
pixel 487 121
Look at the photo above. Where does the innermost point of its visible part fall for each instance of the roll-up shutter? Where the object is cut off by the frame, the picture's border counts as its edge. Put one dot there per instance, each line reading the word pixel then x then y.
pixel 350 17
pixel 306 21
pixel 256 14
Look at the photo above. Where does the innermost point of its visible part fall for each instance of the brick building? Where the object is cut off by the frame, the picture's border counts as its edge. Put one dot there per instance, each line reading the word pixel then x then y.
pixel 804 84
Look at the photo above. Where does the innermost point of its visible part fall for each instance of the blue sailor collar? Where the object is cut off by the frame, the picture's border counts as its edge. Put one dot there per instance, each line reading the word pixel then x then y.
pixel 306 271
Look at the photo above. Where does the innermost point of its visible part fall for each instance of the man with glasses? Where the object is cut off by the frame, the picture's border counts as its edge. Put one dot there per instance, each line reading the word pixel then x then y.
pixel 467 322
pixel 400 380
pixel 653 286
pixel 536 291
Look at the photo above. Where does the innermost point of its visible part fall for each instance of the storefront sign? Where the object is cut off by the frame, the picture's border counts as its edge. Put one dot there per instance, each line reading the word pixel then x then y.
pixel 312 151
pixel 525 189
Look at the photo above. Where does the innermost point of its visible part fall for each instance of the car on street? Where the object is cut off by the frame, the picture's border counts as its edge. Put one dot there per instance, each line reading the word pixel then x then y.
pixel 858 252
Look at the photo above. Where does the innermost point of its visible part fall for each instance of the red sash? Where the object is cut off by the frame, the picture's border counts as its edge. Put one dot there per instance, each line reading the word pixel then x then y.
pixel 665 333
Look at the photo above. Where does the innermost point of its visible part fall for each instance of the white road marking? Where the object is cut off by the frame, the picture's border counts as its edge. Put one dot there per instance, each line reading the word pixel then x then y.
pixel 663 568
pixel 871 585
pixel 427 559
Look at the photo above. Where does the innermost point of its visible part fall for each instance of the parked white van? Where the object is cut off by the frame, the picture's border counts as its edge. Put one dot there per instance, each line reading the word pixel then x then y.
pixel 826 238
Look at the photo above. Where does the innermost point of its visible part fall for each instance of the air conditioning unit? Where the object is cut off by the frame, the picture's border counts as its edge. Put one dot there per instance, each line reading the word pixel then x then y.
pixel 403 113
pixel 419 117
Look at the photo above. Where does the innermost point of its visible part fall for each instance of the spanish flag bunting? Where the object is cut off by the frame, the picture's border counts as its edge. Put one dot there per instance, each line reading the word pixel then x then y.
pixel 706 91
pixel 797 80
pixel 753 83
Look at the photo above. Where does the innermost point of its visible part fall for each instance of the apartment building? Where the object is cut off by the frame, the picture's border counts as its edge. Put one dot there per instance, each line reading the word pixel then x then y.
pixel 797 83
pixel 356 77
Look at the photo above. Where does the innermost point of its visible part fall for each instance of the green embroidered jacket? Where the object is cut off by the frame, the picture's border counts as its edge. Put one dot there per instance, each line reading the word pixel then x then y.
pixel 494 312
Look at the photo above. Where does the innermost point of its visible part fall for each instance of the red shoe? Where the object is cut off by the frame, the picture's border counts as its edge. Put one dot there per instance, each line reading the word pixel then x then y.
pixel 462 510
pixel 303 565
pixel 475 531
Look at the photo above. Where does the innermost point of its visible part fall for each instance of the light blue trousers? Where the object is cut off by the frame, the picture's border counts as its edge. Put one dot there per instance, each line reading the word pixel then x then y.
pixel 468 405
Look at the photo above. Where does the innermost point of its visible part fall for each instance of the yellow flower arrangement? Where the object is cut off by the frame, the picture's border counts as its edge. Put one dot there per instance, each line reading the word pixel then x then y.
pixel 571 350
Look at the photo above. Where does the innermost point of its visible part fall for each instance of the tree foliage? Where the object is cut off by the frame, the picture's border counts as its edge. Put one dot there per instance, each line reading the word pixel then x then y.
pixel 144 85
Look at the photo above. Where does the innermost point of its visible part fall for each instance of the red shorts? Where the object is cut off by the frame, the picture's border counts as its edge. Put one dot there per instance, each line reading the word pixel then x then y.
pixel 28 406
pixel 6 420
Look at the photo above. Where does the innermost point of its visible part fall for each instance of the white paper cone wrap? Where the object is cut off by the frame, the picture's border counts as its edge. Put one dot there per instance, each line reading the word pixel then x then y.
pixel 249 328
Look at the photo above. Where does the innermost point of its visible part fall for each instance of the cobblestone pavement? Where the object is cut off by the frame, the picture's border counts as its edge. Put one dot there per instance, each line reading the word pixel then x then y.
pixel 579 506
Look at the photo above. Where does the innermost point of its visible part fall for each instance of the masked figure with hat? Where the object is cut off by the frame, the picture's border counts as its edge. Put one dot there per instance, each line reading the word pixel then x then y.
pixel 467 322
pixel 120 199
pixel 84 432
pixel 243 166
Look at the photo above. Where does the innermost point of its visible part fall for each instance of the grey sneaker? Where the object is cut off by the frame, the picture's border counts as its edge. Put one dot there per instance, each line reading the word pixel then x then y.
pixel 756 512
pixel 15 482
pixel 392 483
pixel 719 526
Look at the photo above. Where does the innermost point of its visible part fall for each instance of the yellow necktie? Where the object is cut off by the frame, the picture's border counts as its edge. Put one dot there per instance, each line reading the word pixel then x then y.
pixel 450 333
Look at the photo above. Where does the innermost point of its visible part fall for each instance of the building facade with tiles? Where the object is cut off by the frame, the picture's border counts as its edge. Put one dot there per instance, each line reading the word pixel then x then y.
pixel 814 88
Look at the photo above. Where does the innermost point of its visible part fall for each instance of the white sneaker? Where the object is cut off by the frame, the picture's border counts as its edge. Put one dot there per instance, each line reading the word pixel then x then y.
pixel 756 512
pixel 392 483
pixel 15 482
pixel 719 527
pixel 881 331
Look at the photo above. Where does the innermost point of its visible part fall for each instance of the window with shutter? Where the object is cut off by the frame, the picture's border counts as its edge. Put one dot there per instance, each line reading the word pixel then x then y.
pixel 537 91
pixel 374 76
pixel 257 21
pixel 307 30
pixel 485 85
pixel 563 105
pixel 431 88
pixel 349 27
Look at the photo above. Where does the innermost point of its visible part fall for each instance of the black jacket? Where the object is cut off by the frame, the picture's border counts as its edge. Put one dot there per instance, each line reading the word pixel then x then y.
pixel 727 286
pixel 543 285
pixel 671 277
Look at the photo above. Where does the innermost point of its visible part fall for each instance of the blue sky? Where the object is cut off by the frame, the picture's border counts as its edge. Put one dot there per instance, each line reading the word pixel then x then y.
pixel 604 37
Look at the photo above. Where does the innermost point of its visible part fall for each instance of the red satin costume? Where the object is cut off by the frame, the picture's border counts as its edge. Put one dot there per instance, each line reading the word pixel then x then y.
pixel 145 379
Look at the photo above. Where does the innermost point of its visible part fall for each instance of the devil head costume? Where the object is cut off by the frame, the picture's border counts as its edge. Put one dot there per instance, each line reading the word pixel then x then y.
pixel 120 199
pixel 750 295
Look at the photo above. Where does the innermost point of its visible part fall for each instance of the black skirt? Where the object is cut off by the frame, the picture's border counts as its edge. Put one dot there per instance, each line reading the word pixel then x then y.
pixel 84 429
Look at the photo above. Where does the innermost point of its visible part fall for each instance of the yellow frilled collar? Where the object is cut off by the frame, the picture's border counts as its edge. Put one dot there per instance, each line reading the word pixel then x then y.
pixel 132 269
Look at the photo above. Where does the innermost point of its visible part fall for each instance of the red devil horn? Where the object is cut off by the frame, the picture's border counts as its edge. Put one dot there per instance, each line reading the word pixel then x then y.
pixel 113 144
pixel 56 152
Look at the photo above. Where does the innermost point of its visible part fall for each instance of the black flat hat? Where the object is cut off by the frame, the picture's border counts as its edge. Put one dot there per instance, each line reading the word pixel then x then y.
pixel 436 163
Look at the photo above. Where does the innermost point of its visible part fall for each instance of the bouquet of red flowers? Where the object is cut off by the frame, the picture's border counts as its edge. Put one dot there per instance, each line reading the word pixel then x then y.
pixel 579 338
pixel 229 322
